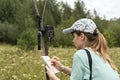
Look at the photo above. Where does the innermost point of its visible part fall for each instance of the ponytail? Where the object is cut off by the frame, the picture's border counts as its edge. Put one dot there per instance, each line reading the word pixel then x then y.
pixel 99 43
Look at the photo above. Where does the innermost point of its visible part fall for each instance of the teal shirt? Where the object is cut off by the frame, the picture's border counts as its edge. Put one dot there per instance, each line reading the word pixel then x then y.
pixel 101 70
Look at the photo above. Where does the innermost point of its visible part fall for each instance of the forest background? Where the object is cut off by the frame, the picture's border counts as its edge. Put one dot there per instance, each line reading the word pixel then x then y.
pixel 18 24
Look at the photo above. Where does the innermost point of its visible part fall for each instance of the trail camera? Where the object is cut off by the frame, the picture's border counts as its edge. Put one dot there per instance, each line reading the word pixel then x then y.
pixel 49 33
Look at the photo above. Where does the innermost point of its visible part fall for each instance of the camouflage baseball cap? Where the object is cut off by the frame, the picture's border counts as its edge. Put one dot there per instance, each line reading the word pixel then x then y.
pixel 83 25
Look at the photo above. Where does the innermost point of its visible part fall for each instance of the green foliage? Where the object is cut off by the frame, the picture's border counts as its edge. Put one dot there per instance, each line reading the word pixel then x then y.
pixel 66 11
pixel 114 26
pixel 78 11
pixel 8 32
pixel 60 38
pixel 54 8
pixel 49 19
pixel 24 17
pixel 8 9
pixel 101 24
pixel 17 16
pixel 27 40
pixel 52 14
pixel 109 35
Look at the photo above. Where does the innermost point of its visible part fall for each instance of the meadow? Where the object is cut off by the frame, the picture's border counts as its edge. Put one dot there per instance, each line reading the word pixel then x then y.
pixel 16 64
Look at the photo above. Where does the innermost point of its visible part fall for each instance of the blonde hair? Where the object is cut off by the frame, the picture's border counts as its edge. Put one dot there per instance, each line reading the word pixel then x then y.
pixel 99 43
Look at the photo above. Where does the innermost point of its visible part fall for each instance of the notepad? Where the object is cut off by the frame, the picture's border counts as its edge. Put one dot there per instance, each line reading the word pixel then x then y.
pixel 47 61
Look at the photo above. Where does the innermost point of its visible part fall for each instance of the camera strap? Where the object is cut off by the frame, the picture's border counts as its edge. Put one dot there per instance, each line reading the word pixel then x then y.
pixel 90 63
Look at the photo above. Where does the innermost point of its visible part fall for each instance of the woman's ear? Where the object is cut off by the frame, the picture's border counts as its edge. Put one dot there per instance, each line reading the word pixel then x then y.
pixel 82 36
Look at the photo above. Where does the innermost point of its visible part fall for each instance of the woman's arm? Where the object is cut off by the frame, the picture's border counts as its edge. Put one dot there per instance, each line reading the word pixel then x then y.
pixel 56 62
pixel 51 74
pixel 66 69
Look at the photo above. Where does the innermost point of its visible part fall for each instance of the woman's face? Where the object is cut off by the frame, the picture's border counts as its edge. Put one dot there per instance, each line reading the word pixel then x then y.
pixel 78 41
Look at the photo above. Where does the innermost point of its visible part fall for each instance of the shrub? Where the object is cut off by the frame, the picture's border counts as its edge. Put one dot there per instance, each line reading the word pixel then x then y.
pixel 27 40
pixel 8 33
pixel 110 37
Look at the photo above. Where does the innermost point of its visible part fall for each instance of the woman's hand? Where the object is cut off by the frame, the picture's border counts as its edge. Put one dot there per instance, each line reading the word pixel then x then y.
pixel 55 61
pixel 51 74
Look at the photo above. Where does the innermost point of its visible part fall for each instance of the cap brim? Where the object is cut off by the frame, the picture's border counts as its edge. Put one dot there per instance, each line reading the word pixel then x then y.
pixel 68 31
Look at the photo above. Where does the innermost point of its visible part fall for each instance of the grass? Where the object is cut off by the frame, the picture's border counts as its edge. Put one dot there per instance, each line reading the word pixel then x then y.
pixel 16 64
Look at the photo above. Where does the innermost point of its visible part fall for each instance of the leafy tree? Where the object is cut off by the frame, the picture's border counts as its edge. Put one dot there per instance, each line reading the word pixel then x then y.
pixel 27 40
pixel 66 11
pixel 8 9
pixel 54 7
pixel 88 14
pixel 8 33
pixel 115 27
pixel 49 18
pixel 110 37
pixel 101 24
pixel 60 38
pixel 52 14
pixel 111 33
pixel 78 11
pixel 24 14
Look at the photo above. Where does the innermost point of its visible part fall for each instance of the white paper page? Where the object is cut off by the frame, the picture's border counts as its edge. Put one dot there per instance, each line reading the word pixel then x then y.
pixel 47 61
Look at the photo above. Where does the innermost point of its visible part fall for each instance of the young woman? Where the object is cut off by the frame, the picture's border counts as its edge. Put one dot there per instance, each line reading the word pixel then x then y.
pixel 87 36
